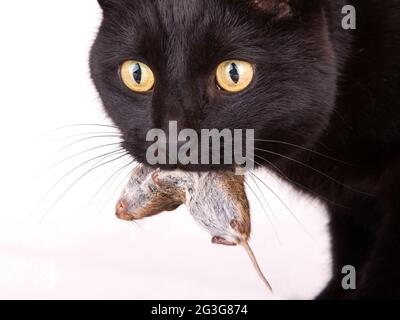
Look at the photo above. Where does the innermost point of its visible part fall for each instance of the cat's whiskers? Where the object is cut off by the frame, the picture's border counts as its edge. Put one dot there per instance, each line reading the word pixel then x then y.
pixel 79 154
pixel 69 145
pixel 119 186
pixel 315 170
pixel 281 174
pixel 124 154
pixel 94 133
pixel 75 126
pixel 263 196
pixel 283 203
pixel 266 212
pixel 114 175
pixel 116 152
pixel 304 149
pixel 100 158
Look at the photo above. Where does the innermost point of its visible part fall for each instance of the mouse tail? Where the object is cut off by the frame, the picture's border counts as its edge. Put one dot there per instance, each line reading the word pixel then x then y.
pixel 253 259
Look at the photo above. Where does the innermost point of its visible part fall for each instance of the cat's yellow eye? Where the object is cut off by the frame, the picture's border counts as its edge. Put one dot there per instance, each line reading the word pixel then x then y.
pixel 137 76
pixel 234 75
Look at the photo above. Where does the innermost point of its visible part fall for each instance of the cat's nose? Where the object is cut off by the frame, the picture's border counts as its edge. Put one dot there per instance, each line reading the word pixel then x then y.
pixel 174 115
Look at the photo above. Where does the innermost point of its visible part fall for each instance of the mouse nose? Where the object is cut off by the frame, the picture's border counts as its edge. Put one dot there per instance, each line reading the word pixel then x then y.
pixel 122 212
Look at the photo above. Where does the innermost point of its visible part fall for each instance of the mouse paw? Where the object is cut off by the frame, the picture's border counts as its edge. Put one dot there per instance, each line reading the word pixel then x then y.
pixel 222 241
pixel 237 226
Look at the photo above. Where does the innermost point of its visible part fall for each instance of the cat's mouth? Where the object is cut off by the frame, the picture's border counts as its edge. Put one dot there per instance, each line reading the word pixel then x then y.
pixel 193 163
pixel 194 167
pixel 222 155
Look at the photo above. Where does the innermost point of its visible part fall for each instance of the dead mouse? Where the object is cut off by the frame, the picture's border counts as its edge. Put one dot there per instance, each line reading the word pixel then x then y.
pixel 216 200
pixel 142 198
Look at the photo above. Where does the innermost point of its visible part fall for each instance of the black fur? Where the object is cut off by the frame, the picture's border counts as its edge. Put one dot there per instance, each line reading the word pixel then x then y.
pixel 316 85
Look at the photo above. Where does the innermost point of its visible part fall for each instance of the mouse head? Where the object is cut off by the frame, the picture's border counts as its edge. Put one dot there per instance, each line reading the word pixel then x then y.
pixel 146 195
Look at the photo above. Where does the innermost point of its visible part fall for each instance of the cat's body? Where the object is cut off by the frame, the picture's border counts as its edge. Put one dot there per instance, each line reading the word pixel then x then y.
pixel 317 85
pixel 364 130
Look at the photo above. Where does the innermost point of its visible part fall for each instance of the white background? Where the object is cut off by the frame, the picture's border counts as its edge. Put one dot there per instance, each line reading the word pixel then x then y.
pixel 77 249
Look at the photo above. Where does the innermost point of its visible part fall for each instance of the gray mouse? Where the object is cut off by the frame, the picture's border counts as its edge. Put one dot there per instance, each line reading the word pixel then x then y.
pixel 216 200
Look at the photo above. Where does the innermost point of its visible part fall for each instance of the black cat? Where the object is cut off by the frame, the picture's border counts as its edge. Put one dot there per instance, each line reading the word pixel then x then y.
pixel 324 103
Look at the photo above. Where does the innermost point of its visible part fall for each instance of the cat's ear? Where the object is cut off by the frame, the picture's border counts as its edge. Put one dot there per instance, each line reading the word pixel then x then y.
pixel 279 8
pixel 107 4
pixel 102 3
pixel 282 8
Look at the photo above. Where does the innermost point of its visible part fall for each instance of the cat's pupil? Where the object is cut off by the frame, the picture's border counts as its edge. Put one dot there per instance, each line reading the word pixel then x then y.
pixel 137 73
pixel 234 72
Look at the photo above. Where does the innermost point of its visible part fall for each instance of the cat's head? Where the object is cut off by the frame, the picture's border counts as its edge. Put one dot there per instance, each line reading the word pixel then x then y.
pixel 266 65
